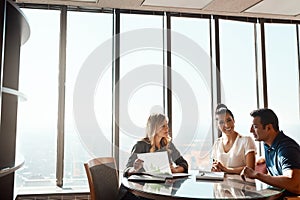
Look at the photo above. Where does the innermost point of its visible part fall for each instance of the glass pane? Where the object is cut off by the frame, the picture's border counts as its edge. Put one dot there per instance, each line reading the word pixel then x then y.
pixel 37 117
pixel 282 76
pixel 237 55
pixel 141 77
pixel 191 90
pixel 88 119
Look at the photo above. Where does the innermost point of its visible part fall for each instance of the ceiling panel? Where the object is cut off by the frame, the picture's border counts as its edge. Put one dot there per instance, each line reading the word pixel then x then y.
pixel 194 4
pixel 231 5
pixel 279 7
pixel 94 1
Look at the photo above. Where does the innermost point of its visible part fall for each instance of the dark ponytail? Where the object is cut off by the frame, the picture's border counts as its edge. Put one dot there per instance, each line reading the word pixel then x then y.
pixel 222 109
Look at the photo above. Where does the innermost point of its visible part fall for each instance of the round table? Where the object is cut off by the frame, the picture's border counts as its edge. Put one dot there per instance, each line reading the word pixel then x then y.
pixel 232 187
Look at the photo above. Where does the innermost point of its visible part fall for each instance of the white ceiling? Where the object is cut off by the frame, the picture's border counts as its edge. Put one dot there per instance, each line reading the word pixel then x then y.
pixel 194 4
pixel 279 7
pixel 274 9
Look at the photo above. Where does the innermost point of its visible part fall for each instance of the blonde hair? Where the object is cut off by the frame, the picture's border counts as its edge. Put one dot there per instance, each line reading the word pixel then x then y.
pixel 154 124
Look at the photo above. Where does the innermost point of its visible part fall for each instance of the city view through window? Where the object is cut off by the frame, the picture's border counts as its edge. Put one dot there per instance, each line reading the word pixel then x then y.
pixel 192 130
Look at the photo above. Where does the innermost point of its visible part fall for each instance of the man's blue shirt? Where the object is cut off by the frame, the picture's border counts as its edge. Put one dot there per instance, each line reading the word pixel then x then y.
pixel 283 154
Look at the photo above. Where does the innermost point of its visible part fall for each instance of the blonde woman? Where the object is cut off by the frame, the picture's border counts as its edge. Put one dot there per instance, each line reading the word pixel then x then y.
pixel 157 139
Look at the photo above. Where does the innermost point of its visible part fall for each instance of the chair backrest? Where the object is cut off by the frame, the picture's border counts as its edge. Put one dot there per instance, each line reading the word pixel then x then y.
pixel 102 176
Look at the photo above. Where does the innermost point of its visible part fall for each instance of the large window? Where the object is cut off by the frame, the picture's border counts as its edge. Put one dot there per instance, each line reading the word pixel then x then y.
pixel 237 70
pixel 37 117
pixel 191 89
pixel 282 76
pixel 89 86
pixel 88 118
pixel 141 77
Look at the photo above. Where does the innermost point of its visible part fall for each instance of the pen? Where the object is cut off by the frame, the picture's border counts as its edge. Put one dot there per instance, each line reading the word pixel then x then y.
pixel 243 177
pixel 214 168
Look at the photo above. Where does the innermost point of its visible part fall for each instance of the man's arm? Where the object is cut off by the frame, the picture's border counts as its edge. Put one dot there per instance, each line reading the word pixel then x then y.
pixel 290 180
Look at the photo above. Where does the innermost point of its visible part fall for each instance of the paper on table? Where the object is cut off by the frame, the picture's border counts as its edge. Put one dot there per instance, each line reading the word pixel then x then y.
pixel 146 178
pixel 156 162
pixel 207 175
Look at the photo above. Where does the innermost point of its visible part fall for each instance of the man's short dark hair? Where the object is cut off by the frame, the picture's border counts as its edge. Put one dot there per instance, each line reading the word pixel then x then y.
pixel 267 116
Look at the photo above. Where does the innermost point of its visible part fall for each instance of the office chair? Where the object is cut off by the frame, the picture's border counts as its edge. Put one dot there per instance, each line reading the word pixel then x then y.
pixel 103 178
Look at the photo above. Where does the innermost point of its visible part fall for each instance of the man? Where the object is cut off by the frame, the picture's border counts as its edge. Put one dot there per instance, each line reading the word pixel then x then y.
pixel 282 153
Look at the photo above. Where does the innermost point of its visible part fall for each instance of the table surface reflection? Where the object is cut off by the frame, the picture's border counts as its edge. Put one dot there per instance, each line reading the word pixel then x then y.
pixel 232 187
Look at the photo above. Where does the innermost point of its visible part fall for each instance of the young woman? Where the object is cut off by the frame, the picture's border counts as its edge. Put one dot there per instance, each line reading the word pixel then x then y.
pixel 232 151
pixel 157 139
